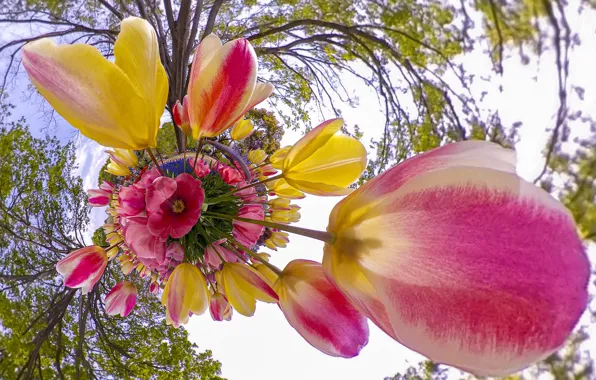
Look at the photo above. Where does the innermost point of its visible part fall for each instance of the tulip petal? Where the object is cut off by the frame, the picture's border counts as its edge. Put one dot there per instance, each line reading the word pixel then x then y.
pixel 338 163
pixel 283 190
pixel 261 92
pixel 319 312
pixel 137 54
pixel 222 89
pixel 243 286
pixel 90 92
pixel 311 142
pixel 205 52
pixel 498 256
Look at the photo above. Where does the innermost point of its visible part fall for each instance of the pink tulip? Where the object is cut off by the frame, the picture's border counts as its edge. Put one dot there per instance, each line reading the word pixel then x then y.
pixel 147 178
pixel 131 201
pixel 150 249
pixel 201 169
pixel 121 299
pixel 220 308
pixel 99 197
pixel 229 175
pixel 456 257
pixel 247 233
pixel 214 250
pixel 83 267
pixel 175 251
pixel 180 112
pixel 318 311
pixel 174 205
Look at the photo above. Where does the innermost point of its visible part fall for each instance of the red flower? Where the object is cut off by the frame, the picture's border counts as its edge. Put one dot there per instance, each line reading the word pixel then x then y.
pixel 201 169
pixel 174 205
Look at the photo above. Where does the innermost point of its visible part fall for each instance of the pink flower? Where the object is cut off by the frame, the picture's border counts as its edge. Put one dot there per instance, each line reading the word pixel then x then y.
pixel 248 233
pixel 180 112
pixel 131 200
pixel 99 197
pixel 83 267
pixel 107 186
pixel 318 311
pixel 174 205
pixel 150 249
pixel 154 287
pixel 229 175
pixel 268 170
pixel 147 178
pixel 220 308
pixel 175 251
pixel 214 250
pixel 247 195
pixel 121 299
pixel 201 169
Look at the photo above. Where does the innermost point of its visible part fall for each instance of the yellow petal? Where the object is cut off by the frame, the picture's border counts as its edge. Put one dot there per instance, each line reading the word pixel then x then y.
pixel 90 92
pixel 137 54
pixel 242 129
pixel 278 157
pixel 337 163
pixel 117 169
pixel 283 190
pixel 311 142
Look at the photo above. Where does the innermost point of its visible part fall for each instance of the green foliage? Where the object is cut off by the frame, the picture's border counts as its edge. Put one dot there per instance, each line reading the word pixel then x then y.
pixel 166 140
pixel 99 238
pixel 49 331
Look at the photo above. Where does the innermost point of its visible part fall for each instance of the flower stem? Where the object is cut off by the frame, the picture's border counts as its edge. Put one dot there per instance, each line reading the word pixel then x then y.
pixel 199 146
pixel 275 269
pixel 154 161
pixel 325 236
pixel 274 178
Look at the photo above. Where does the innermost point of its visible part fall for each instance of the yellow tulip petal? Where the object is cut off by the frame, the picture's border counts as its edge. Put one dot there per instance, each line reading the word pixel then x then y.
pixel 282 189
pixel 338 163
pixel 137 54
pixel 90 92
pixel 203 55
pixel 278 157
pixel 311 142
pixel 117 169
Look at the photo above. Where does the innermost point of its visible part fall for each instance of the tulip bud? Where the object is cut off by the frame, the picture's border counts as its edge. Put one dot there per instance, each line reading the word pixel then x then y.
pixel 98 197
pixel 121 299
pixel 186 291
pixel 220 308
pixel 278 157
pixel 180 112
pixel 257 156
pixel 242 129
pixel 83 267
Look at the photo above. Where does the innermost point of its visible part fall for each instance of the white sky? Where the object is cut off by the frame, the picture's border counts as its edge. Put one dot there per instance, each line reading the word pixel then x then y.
pixel 265 347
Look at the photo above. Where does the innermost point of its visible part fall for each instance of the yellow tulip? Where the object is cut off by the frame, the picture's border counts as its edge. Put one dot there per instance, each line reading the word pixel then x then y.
pixel 278 157
pixel 281 188
pixel 118 104
pixel 257 156
pixel 124 157
pixel 243 285
pixel 117 169
pixel 185 292
pixel 279 203
pixel 285 216
pixel 324 162
pixel 242 129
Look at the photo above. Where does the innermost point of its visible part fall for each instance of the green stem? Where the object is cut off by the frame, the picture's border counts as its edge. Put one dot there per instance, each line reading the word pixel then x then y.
pixel 325 236
pixel 275 269
pixel 274 178
pixel 154 160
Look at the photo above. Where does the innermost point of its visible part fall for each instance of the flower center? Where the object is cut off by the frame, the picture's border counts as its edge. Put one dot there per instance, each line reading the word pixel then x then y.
pixel 178 206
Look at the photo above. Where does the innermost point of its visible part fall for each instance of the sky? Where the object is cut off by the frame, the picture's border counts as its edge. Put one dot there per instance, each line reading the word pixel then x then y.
pixel 264 346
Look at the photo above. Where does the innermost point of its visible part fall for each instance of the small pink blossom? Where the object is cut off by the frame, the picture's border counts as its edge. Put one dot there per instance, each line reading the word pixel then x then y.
pixel 147 178
pixel 150 249
pixel 83 268
pixel 229 175
pixel 214 250
pixel 121 299
pixel 248 233
pixel 247 195
pixel 220 308
pixel 201 169
pixel 131 200
pixel 174 205
pixel 98 197
pixel 175 252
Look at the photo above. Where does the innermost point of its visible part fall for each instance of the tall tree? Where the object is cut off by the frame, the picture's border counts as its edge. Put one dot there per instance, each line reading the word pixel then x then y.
pixel 47 330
